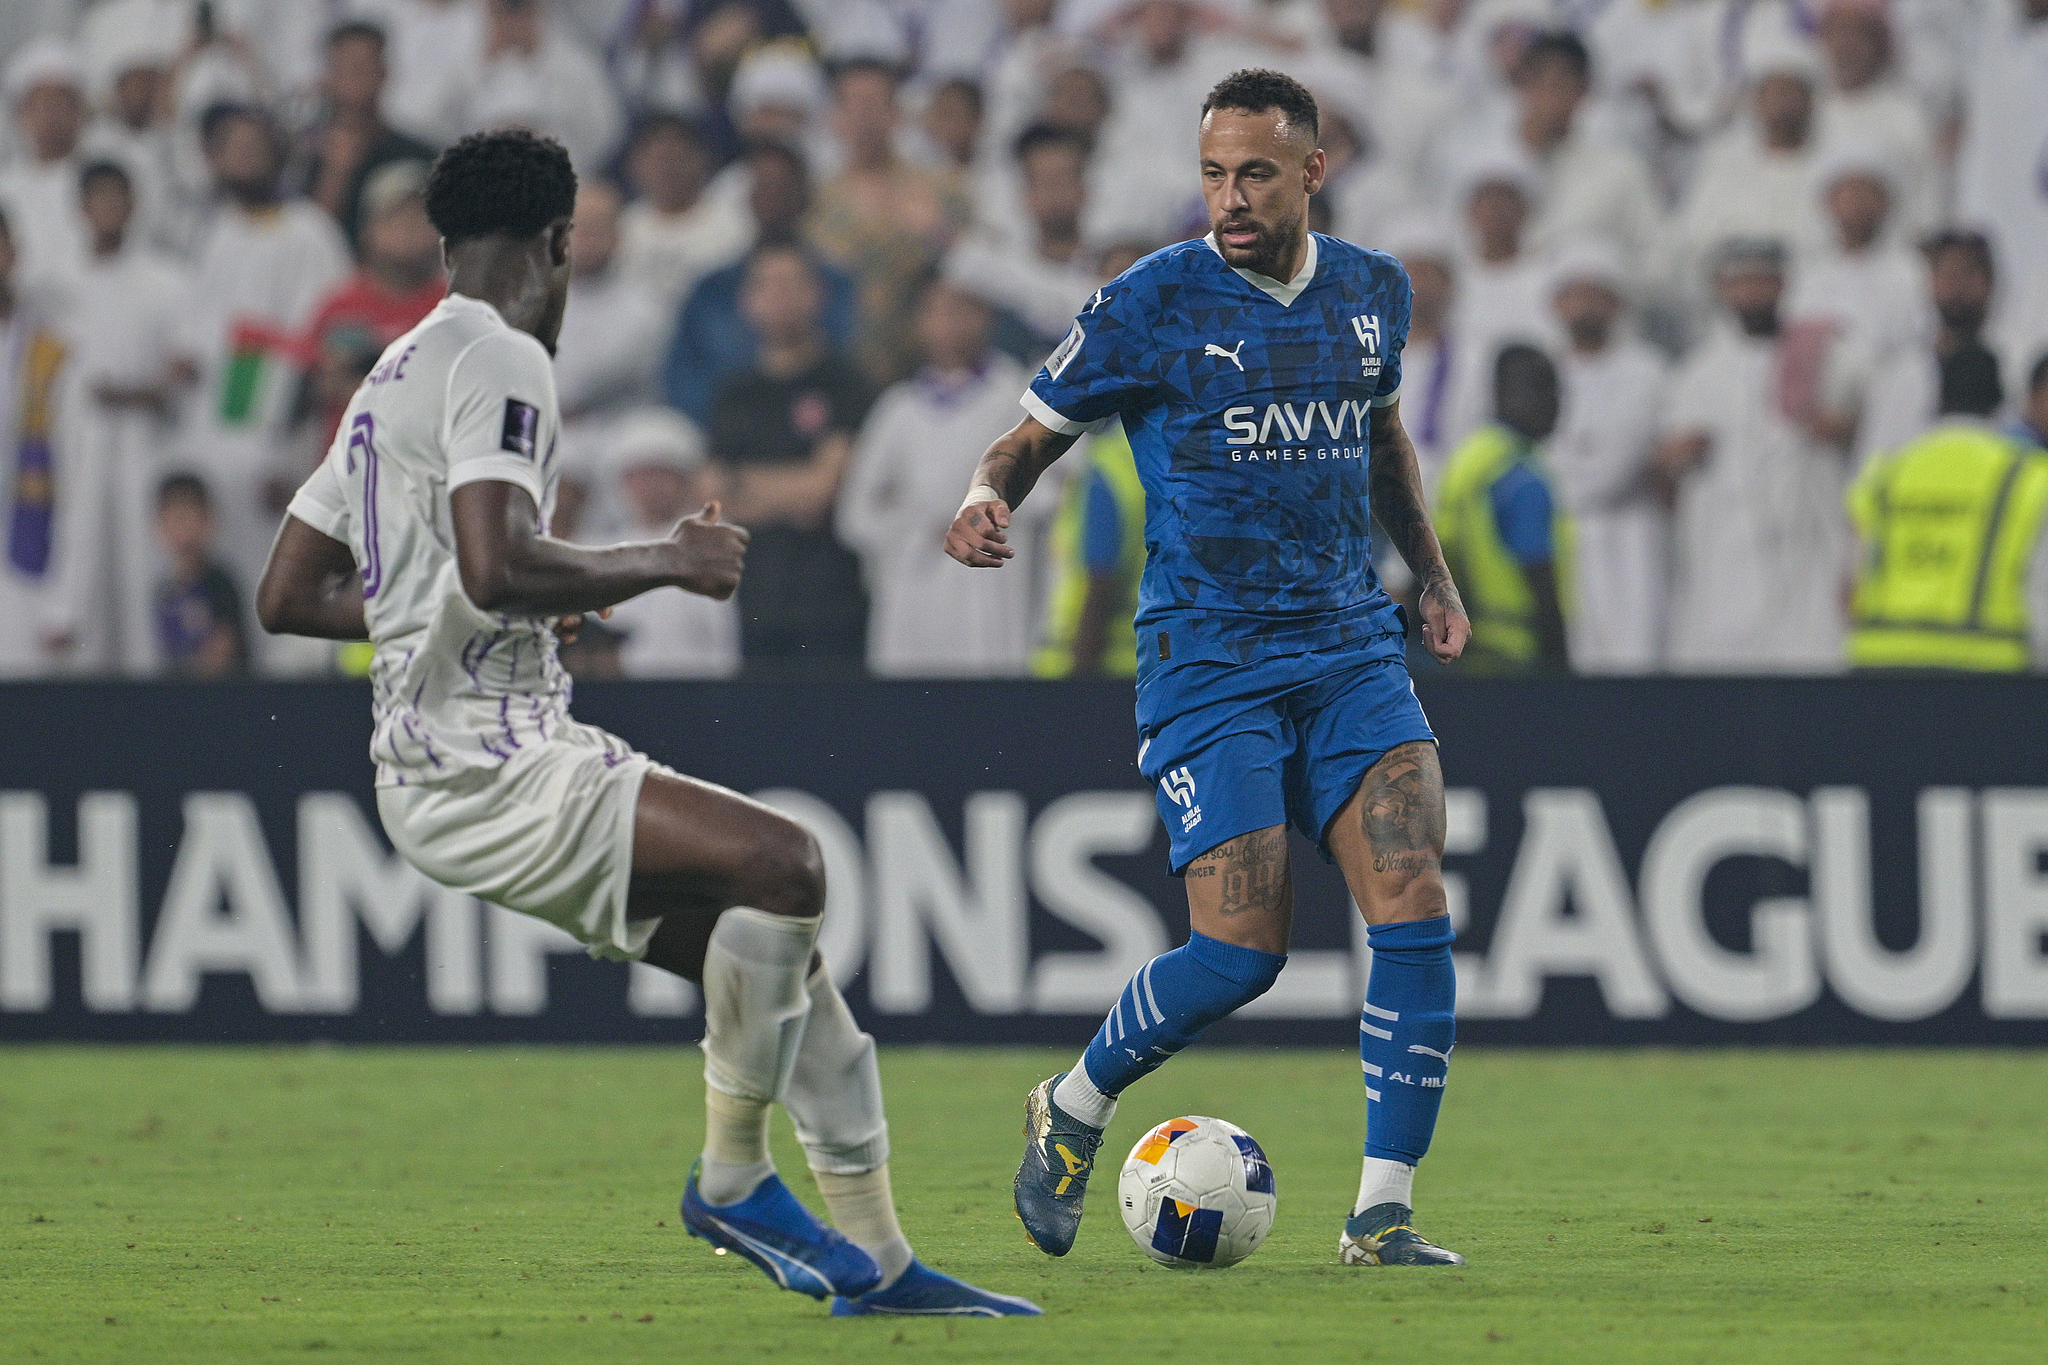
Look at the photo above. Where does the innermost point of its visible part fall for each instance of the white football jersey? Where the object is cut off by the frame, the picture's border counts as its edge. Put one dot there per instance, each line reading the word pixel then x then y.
pixel 460 398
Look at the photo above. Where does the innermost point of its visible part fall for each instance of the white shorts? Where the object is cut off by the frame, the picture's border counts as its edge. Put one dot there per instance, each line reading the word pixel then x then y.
pixel 549 834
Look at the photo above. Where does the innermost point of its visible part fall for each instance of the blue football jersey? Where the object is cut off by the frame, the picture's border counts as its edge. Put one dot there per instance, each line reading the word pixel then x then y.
pixel 1247 404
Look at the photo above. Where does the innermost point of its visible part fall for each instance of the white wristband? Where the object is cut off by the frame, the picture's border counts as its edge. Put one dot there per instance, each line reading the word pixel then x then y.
pixel 981 492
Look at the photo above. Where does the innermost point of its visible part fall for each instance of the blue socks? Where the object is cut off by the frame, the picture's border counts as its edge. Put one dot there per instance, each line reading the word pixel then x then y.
pixel 1405 1035
pixel 1167 1005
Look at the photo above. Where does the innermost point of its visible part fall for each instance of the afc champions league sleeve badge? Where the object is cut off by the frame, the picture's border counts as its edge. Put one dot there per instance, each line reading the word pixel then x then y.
pixel 1060 358
pixel 521 435
pixel 1366 327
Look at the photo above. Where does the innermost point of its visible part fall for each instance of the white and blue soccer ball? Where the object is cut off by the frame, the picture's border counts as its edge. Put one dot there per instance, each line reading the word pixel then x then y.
pixel 1197 1192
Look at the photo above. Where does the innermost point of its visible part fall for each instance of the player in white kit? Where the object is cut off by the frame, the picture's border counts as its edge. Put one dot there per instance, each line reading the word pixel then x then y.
pixel 425 530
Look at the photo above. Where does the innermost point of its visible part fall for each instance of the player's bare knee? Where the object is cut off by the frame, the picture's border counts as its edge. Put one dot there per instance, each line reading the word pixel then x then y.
pixel 785 872
pixel 1418 896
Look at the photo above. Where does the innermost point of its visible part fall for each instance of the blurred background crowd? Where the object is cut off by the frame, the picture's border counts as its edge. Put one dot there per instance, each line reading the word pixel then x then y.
pixel 1725 353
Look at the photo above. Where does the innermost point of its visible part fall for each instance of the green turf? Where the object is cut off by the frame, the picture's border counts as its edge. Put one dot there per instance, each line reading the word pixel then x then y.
pixel 448 1206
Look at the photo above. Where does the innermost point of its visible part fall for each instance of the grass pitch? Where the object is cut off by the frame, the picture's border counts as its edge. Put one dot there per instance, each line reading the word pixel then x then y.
pixel 451 1206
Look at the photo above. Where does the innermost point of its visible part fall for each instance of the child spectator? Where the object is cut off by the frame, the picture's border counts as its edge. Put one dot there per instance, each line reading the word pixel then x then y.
pixel 198 606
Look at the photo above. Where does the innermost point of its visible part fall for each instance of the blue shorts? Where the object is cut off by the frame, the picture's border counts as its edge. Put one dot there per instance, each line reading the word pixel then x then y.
pixel 1242 747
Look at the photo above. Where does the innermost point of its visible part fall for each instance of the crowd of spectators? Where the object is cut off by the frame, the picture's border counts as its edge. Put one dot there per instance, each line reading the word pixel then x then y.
pixel 1741 248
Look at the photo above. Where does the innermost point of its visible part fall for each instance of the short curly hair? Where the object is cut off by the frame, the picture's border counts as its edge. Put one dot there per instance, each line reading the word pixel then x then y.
pixel 1255 89
pixel 506 182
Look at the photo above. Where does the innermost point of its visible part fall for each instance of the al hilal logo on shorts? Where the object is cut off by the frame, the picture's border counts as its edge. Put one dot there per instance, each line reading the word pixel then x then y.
pixel 1179 786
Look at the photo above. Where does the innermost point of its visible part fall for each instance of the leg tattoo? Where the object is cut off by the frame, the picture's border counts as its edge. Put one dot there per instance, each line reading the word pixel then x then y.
pixel 1402 811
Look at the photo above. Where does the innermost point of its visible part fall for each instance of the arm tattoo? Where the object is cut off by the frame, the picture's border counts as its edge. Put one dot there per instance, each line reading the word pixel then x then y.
pixel 1254 869
pixel 1013 464
pixel 1397 500
pixel 1402 809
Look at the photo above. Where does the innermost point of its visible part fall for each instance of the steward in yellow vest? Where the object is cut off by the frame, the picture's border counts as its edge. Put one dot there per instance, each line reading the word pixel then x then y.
pixel 1950 527
pixel 1098 550
pixel 1507 543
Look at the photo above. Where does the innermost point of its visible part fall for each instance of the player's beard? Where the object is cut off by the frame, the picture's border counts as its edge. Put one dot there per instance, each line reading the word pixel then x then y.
pixel 1268 253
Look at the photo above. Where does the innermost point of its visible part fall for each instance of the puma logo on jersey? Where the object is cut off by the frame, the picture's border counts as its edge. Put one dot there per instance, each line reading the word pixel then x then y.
pixel 1429 1052
pixel 1230 355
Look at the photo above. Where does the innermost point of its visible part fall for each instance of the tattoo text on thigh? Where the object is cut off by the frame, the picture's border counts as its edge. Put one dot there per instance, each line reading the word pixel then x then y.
pixel 1254 871
pixel 1403 811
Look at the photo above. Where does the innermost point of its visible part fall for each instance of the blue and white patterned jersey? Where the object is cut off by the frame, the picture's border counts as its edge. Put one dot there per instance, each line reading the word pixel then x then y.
pixel 1247 403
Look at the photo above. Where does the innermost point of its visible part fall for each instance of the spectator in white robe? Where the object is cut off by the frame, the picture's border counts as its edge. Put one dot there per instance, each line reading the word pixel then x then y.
pixel 657 462
pixel 1439 407
pixel 1959 364
pixel 435 49
pixel 1479 50
pixel 777 95
pixel 1503 285
pixel 1040 275
pixel 1865 101
pixel 127 79
pixel 1140 186
pixel 125 374
pixel 1592 184
pixel 1754 178
pixel 614 334
pixel 264 266
pixel 537 73
pixel 1364 190
pixel 1864 293
pixel 1028 52
pixel 927 617
pixel 1614 389
pixel 45 91
pixel 1759 535
pixel 1396 110
pixel 2000 186
pixel 674 232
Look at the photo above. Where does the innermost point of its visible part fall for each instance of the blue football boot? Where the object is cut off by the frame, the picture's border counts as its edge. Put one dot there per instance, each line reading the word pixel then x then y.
pixel 777 1233
pixel 1381 1236
pixel 921 1292
pixel 1059 1154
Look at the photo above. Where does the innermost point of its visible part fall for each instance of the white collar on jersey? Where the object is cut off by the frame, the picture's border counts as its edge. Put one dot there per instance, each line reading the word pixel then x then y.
pixel 454 302
pixel 1286 293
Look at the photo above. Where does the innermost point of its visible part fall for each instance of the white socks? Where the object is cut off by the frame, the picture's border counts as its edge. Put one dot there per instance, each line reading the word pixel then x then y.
pixel 1078 1096
pixel 835 1101
pixel 835 1092
pixel 774 1030
pixel 863 1209
pixel 735 1147
pixel 754 1009
pixel 1385 1182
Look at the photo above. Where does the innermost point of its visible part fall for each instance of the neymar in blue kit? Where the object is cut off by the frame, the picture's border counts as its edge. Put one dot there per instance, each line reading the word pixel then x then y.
pixel 1257 372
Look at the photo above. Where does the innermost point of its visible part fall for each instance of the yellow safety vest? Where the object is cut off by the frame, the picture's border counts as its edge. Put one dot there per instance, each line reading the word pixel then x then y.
pixel 1496 592
pixel 1949 526
pixel 1109 455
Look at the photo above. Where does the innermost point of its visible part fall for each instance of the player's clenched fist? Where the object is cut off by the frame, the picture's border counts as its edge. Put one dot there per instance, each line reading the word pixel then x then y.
pixel 711 554
pixel 979 536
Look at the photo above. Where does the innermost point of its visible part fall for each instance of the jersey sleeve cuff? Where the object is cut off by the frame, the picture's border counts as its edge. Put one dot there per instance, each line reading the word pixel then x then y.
pixel 1386 400
pixel 1051 419
pixel 513 469
pixel 331 522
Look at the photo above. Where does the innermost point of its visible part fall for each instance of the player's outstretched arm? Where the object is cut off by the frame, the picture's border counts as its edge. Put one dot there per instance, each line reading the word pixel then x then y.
pixel 1398 502
pixel 979 536
pixel 310 586
pixel 508 564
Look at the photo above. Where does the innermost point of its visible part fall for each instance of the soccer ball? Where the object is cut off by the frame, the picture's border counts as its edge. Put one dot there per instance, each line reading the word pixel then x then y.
pixel 1197 1192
